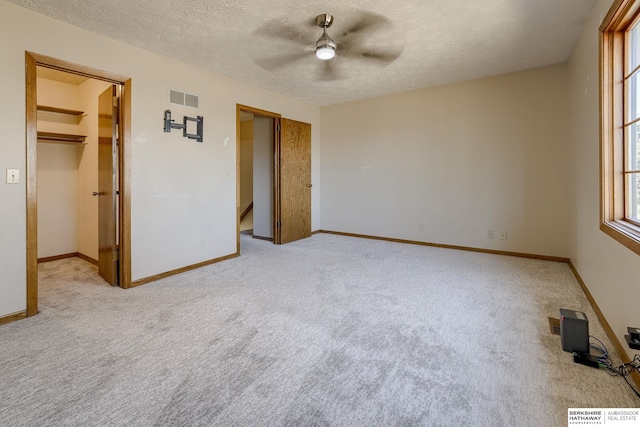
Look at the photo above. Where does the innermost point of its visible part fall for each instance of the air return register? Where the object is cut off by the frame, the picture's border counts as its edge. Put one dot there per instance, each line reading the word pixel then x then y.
pixel 181 98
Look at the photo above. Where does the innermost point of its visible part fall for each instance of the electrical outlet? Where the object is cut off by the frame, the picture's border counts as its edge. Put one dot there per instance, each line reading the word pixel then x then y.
pixel 503 235
pixel 490 234
pixel 421 227
pixel 203 244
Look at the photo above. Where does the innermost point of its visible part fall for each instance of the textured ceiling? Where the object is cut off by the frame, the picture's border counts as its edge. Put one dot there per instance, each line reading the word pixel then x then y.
pixel 439 41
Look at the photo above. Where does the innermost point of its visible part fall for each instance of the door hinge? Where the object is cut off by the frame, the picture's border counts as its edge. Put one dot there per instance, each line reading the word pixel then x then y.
pixel 115 101
pixel 278 225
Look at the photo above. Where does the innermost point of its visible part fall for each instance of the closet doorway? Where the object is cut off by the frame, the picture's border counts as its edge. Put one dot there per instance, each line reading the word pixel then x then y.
pixel 274 176
pixel 78 198
pixel 257 132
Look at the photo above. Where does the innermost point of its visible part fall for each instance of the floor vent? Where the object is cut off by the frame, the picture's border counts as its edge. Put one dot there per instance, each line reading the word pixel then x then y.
pixel 554 325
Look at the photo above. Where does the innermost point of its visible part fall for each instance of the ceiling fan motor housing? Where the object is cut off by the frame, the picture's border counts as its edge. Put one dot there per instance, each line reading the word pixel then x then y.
pixel 325 41
pixel 325 20
pixel 325 46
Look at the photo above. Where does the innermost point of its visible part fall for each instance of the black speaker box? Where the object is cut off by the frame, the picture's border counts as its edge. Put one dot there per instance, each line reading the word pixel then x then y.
pixel 574 331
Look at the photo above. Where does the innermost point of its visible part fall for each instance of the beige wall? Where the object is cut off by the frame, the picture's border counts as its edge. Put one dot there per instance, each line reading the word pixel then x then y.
pixel 183 193
pixel 460 159
pixel 57 199
pixel 263 176
pixel 68 173
pixel 610 270
pixel 58 171
pixel 246 164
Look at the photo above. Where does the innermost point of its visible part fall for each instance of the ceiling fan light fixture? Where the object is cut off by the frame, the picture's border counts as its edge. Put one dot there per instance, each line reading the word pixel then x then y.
pixel 325 52
pixel 325 46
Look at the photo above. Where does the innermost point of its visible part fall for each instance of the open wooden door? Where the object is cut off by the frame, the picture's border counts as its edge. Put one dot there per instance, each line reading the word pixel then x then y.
pixel 293 193
pixel 107 185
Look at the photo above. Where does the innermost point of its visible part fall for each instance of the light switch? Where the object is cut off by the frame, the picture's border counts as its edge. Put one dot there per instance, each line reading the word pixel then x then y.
pixel 13 176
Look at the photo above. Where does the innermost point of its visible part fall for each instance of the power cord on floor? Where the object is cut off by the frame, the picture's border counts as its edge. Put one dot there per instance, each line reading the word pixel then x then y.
pixel 623 370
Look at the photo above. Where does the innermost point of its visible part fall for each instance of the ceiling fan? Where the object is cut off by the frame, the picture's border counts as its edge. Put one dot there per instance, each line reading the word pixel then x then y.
pixel 325 46
pixel 351 44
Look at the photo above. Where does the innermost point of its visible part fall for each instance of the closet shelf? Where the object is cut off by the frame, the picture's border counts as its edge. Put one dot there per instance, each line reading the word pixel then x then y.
pixel 60 110
pixel 61 137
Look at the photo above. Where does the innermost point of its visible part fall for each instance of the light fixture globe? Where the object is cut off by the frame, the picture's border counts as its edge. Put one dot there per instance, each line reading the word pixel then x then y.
pixel 325 53
pixel 325 47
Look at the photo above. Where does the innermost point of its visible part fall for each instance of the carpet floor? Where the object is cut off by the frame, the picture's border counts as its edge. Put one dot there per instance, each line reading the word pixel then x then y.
pixel 327 331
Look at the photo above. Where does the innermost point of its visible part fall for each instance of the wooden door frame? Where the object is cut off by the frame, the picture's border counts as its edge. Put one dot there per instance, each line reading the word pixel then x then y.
pixel 276 135
pixel 32 60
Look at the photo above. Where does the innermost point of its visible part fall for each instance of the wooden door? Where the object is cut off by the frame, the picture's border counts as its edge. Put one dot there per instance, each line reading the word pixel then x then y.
pixel 107 185
pixel 293 200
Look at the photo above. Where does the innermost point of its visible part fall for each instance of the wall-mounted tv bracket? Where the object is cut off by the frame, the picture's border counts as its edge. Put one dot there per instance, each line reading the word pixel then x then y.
pixel 169 124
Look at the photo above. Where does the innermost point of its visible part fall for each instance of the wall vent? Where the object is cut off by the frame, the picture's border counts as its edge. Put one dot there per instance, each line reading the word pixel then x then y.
pixel 554 325
pixel 181 98
pixel 190 100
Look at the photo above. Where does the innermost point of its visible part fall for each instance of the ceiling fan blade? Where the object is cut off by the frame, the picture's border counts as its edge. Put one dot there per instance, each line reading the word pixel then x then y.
pixel 276 30
pixel 366 21
pixel 329 72
pixel 386 57
pixel 373 55
pixel 279 62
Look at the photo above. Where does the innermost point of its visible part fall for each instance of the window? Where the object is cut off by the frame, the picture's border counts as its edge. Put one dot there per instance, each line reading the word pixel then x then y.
pixel 620 125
